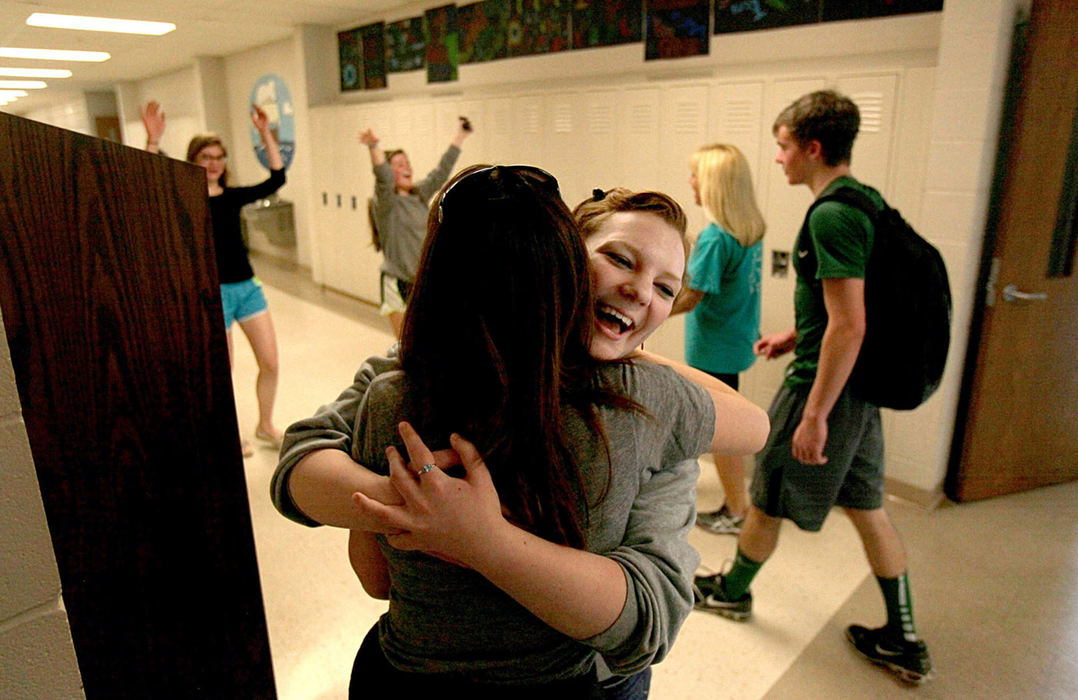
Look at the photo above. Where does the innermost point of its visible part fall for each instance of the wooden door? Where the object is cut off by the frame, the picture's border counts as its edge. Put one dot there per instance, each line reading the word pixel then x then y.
pixel 1020 395
pixel 113 316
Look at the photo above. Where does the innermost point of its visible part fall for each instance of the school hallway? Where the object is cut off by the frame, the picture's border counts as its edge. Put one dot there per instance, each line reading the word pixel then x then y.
pixel 994 582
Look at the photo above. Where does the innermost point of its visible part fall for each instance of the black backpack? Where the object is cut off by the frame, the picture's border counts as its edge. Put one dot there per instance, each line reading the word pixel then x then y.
pixel 907 310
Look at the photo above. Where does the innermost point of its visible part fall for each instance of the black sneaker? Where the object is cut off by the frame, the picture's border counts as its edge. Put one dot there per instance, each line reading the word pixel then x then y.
pixel 720 522
pixel 907 660
pixel 709 595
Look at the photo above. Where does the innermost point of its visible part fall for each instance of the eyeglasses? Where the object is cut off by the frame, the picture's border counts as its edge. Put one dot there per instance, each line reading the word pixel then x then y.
pixel 493 173
pixel 207 158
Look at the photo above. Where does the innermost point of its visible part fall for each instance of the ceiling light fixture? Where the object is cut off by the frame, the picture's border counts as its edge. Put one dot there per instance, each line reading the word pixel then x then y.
pixel 99 24
pixel 22 84
pixel 9 72
pixel 12 94
pixel 54 54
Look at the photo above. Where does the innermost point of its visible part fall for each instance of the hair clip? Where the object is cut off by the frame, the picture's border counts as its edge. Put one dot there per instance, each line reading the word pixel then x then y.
pixel 598 195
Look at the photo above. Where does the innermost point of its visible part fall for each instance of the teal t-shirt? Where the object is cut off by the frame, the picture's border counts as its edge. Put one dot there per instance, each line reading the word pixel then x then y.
pixel 721 329
pixel 841 238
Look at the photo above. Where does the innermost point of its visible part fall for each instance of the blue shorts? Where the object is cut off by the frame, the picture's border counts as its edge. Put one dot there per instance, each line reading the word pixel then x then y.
pixel 782 487
pixel 242 300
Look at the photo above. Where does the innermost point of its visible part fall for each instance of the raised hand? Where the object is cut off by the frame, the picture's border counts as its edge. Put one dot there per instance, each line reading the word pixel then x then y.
pixel 368 138
pixel 259 118
pixel 153 118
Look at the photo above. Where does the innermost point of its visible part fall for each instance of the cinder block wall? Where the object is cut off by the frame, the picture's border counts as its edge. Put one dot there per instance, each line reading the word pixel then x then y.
pixel 37 657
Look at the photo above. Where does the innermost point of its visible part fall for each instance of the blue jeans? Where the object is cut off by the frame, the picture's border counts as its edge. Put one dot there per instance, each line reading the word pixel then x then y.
pixel 635 687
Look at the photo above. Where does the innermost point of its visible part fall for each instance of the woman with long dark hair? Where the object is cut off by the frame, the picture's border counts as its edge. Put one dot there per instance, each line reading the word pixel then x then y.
pixel 515 577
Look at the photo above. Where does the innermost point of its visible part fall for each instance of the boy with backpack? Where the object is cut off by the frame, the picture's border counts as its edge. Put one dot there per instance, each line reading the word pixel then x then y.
pixel 826 445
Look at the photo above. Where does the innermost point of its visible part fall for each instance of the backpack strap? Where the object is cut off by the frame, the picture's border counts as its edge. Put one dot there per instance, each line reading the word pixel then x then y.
pixel 854 198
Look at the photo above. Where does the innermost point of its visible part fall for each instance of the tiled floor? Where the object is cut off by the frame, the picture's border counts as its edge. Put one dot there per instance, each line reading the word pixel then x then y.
pixel 993 582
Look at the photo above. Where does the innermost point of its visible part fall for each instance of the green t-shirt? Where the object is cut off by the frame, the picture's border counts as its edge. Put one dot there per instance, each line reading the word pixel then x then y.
pixel 834 245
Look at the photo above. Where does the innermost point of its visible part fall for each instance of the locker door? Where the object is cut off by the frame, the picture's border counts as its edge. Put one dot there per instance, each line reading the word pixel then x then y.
pixel 598 152
pixel 637 149
pixel 875 98
pixel 684 129
pixel 321 153
pixel 526 140
pixel 563 138
pixel 499 132
pixel 737 117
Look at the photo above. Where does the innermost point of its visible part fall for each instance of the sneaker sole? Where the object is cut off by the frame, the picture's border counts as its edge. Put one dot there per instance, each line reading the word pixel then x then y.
pixel 901 672
pixel 735 615
pixel 719 531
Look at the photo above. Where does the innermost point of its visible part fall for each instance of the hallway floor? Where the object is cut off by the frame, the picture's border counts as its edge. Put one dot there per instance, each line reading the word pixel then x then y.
pixel 993 582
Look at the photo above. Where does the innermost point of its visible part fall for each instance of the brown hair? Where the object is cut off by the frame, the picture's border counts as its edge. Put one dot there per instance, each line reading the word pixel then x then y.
pixel 592 212
pixel 824 116
pixel 203 141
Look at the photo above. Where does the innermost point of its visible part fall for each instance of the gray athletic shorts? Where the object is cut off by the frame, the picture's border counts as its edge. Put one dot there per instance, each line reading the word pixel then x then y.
pixel 782 487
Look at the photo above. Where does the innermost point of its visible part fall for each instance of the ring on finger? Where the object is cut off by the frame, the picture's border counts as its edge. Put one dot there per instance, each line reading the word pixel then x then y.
pixel 426 468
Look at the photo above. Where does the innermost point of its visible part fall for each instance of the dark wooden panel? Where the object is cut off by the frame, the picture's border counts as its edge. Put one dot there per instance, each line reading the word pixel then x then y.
pixel 111 304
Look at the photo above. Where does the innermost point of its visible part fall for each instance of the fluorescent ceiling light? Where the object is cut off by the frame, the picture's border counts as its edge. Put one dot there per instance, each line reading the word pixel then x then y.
pixel 11 94
pixel 34 72
pixel 99 24
pixel 54 55
pixel 22 84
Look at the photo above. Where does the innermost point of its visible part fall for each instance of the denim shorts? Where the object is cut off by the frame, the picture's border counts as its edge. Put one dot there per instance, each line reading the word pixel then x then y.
pixel 783 487
pixel 242 300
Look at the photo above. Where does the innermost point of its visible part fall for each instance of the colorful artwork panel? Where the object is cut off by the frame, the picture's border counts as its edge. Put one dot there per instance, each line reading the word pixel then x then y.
pixel 442 44
pixel 863 9
pixel 598 23
pixel 746 15
pixel 350 52
pixel 537 26
pixel 676 28
pixel 406 45
pixel 482 28
pixel 374 55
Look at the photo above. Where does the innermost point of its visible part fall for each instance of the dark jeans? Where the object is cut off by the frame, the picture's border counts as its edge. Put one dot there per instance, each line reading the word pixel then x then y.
pixel 374 677
pixel 634 687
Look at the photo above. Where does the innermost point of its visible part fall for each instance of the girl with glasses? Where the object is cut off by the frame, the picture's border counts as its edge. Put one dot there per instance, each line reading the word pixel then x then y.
pixel 242 298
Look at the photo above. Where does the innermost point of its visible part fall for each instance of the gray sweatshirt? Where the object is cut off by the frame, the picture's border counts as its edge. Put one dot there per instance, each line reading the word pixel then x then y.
pixel 402 218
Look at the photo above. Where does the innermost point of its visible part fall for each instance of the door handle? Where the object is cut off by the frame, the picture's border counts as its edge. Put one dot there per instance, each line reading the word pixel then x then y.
pixel 1012 293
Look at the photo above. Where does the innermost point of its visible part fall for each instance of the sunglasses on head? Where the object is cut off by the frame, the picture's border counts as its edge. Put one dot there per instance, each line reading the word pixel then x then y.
pixel 497 174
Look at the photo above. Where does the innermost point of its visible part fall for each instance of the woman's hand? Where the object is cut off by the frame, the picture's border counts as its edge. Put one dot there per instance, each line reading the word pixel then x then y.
pixel 153 118
pixel 368 138
pixel 448 517
pixel 260 119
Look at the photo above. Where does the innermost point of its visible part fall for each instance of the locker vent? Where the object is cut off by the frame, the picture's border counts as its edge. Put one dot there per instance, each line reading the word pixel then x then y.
pixel 871 106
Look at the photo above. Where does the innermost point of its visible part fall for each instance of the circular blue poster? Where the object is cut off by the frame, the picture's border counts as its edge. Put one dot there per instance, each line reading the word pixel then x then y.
pixel 271 94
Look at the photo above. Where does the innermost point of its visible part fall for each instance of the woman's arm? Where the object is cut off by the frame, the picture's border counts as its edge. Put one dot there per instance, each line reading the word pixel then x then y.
pixel 321 485
pixel 369 564
pixel 741 427
pixel 329 429
pixel 370 140
pixel 273 149
pixel 659 564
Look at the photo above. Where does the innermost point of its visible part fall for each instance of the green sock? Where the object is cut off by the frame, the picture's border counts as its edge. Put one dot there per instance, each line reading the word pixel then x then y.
pixel 896 596
pixel 737 581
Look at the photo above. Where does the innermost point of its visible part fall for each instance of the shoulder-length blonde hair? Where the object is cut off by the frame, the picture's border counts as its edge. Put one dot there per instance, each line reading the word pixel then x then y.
pixel 726 191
